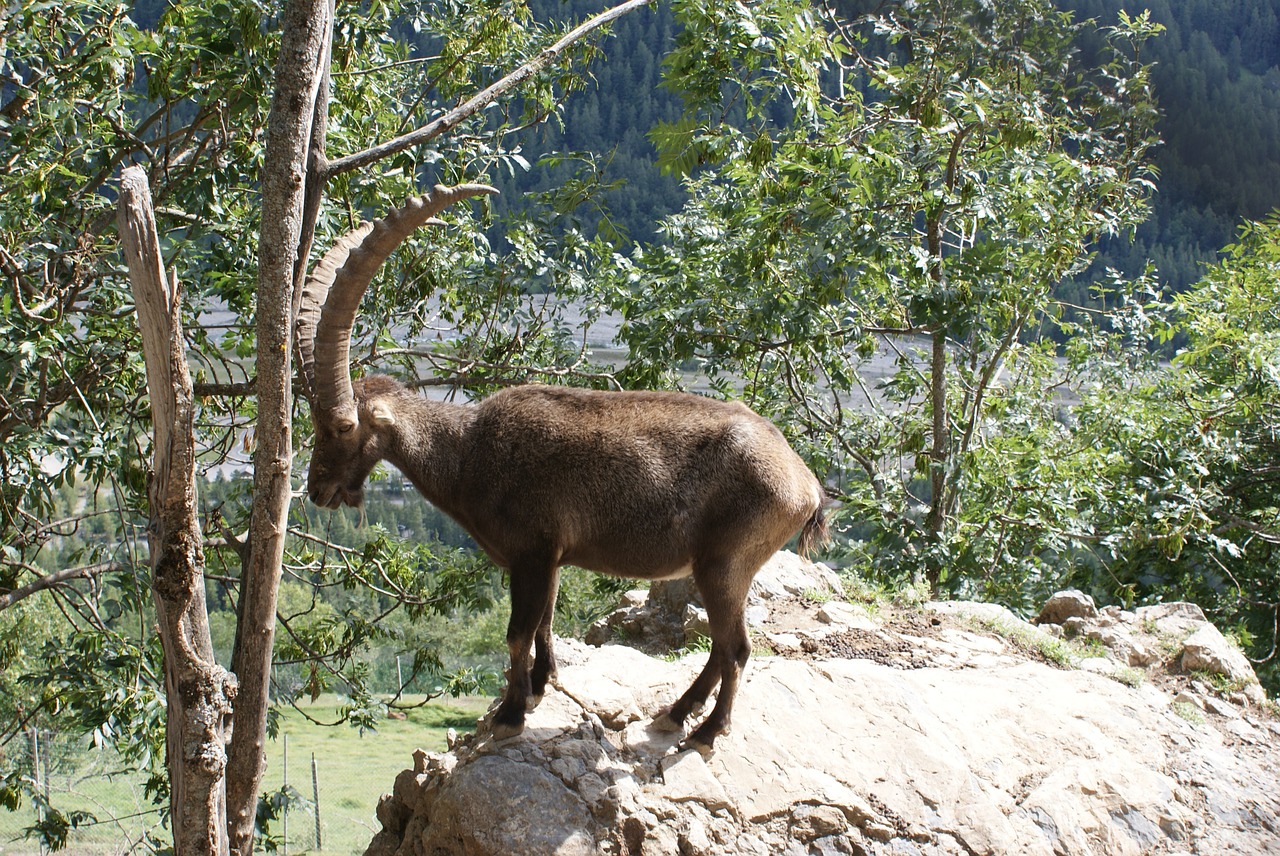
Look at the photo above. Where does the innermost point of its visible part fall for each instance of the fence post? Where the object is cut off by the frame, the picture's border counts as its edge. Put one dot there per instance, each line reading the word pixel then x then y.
pixel 35 766
pixel 284 793
pixel 315 793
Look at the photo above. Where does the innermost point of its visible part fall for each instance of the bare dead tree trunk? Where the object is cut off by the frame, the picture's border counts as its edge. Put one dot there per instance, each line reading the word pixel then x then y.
pixel 199 693
pixel 305 32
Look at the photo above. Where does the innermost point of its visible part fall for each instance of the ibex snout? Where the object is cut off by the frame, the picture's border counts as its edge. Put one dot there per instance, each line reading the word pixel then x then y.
pixel 327 492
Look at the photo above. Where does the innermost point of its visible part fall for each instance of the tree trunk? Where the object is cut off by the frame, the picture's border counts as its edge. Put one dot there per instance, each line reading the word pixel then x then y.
pixel 305 33
pixel 198 692
pixel 293 177
pixel 938 458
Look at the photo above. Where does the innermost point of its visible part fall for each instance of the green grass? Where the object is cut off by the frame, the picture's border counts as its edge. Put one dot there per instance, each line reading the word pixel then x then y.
pixel 1221 684
pixel 1056 651
pixel 353 770
pixel 1189 712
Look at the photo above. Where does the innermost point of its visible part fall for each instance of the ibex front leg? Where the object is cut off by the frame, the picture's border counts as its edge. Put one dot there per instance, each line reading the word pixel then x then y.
pixel 533 593
pixel 544 658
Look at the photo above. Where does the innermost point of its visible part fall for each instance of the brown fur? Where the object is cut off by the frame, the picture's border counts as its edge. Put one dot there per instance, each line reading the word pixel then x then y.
pixel 633 484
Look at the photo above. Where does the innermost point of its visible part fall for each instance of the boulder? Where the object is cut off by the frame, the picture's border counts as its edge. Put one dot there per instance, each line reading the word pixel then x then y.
pixel 1065 605
pixel 931 754
pixel 1176 619
pixel 670 614
pixel 788 575
pixel 499 804
pixel 1207 650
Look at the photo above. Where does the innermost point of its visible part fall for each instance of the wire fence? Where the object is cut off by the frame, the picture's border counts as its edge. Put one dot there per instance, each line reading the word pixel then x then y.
pixel 90 786
pixel 323 784
pixel 327 804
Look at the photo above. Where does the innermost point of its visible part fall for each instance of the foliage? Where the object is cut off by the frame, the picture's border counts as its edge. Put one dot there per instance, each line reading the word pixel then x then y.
pixel 946 165
pixel 1186 494
pixel 882 200
pixel 1217 77
pixel 89 86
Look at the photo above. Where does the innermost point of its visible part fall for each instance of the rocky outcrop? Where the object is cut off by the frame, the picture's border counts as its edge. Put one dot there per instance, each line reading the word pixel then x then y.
pixel 670 613
pixel 947 729
pixel 1167 635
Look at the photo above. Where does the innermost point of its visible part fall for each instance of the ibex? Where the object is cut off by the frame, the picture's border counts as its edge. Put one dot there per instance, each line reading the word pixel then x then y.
pixel 648 485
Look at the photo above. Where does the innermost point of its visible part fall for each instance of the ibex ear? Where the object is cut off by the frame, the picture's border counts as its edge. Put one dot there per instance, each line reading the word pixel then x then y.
pixel 381 413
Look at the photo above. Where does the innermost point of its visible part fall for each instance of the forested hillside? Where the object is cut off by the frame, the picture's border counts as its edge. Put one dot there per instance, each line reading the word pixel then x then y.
pixel 1217 79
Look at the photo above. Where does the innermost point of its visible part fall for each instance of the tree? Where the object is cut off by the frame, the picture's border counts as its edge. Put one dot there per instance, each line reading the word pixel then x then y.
pixel 934 171
pixel 1184 453
pixel 89 90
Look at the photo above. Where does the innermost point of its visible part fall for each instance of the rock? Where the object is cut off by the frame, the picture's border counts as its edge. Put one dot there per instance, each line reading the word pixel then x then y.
pixel 618 684
pixel 1171 619
pixel 1207 650
pixel 788 575
pixel 1140 654
pixel 695 624
pixel 845 615
pixel 1073 626
pixel 993 615
pixel 695 841
pixel 1067 604
pixel 671 596
pixel 1121 645
pixel 660 841
pixel 494 805
pixel 965 747
pixel 816 821
pixel 670 614
pixel 686 777
pixel 1188 697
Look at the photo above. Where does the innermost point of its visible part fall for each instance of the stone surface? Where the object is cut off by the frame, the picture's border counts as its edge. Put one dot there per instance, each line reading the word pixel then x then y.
pixel 670 614
pixel 841 614
pixel 495 805
pixel 1067 604
pixel 1207 650
pixel 788 575
pixel 1170 619
pixel 928 735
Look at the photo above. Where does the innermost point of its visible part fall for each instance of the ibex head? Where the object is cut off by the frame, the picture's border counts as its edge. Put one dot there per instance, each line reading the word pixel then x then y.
pixel 351 421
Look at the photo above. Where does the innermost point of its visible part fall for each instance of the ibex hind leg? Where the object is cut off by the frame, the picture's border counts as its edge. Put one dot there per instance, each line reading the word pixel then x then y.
pixel 690 704
pixel 723 585
pixel 730 648
pixel 533 581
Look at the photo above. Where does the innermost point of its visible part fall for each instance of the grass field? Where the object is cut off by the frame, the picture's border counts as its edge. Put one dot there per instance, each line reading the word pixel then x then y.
pixel 353 770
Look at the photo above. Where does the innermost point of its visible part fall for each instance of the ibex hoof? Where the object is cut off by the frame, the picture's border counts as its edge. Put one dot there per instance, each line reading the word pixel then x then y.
pixel 664 722
pixel 532 702
pixel 501 730
pixel 706 750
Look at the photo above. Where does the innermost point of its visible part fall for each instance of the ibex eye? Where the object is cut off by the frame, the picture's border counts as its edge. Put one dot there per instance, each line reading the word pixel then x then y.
pixel 345 427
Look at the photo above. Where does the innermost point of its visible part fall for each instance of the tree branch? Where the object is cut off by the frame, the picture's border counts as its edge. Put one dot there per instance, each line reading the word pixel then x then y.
pixel 56 578
pixel 461 113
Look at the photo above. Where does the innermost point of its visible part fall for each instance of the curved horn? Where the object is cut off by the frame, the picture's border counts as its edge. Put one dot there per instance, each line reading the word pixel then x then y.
pixel 314 293
pixel 333 291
